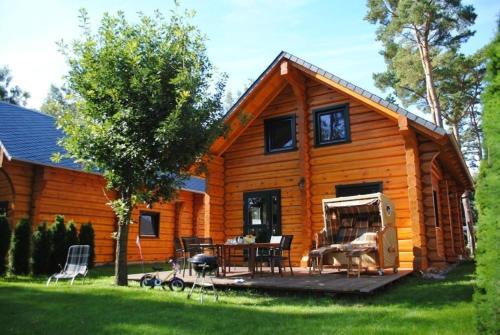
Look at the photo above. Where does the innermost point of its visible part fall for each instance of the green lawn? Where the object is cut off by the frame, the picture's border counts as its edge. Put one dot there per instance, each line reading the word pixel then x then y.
pixel 413 306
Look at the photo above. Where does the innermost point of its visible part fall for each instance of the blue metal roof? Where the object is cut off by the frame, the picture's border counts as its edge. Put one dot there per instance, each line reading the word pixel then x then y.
pixel 30 136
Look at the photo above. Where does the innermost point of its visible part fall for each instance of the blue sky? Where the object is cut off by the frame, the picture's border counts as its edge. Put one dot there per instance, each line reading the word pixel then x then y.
pixel 244 36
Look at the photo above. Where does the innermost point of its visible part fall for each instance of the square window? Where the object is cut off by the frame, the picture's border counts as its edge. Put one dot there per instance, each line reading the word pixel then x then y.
pixel 332 125
pixel 280 134
pixel 149 224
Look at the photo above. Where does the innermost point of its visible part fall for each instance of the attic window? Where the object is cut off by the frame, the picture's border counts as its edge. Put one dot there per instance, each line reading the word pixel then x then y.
pixel 280 134
pixel 332 125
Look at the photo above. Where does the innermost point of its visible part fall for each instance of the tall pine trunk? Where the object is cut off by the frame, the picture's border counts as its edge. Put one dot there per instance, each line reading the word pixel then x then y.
pixel 432 98
pixel 456 133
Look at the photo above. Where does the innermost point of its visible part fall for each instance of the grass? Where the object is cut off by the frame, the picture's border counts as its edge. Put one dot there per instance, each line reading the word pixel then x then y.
pixel 412 306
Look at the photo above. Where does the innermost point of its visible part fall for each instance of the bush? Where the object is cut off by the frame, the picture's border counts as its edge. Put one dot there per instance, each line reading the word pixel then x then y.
pixel 87 237
pixel 487 295
pixel 20 247
pixel 71 235
pixel 41 250
pixel 59 247
pixel 4 242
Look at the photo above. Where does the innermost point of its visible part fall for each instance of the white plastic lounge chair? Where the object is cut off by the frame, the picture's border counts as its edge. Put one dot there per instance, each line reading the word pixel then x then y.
pixel 76 264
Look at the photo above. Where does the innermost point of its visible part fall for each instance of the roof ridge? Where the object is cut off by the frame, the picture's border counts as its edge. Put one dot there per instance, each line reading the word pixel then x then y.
pixel 375 98
pixel 27 109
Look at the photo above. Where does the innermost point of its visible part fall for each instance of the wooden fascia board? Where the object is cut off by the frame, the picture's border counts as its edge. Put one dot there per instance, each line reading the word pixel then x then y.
pixel 240 128
pixel 368 102
pixel 295 79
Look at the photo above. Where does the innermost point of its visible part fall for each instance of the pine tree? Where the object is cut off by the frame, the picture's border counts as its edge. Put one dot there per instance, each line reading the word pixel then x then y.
pixel 41 250
pixel 5 236
pixel 59 247
pixel 87 237
pixel 20 248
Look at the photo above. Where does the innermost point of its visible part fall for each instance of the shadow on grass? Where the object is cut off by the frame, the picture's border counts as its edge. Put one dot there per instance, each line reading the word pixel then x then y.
pixel 414 305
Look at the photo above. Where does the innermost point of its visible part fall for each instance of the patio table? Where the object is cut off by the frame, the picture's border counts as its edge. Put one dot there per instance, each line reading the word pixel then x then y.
pixel 252 250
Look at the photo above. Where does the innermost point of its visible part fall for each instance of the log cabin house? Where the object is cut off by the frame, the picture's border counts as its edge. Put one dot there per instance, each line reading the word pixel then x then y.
pixel 298 135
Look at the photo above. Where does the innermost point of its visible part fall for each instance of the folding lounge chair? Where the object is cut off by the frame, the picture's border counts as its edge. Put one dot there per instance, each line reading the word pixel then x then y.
pixel 76 264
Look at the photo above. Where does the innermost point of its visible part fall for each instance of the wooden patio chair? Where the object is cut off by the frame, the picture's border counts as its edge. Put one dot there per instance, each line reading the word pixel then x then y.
pixel 264 254
pixel 278 256
pixel 76 264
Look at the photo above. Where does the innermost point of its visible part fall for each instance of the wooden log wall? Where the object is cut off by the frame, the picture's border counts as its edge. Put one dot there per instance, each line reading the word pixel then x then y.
pixel 214 200
pixel 43 192
pixel 21 175
pixel 428 151
pixel 376 153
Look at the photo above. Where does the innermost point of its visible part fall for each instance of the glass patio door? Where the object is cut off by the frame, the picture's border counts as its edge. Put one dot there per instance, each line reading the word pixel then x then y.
pixel 262 214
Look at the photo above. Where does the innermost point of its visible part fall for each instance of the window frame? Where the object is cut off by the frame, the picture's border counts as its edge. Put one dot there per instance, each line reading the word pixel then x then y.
pixel 343 187
pixel 344 108
pixel 157 228
pixel 267 133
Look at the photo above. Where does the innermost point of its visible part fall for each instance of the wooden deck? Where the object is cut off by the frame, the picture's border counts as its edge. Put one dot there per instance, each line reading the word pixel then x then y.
pixel 329 282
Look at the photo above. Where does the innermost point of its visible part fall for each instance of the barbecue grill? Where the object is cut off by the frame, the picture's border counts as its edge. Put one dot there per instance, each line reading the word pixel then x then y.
pixel 203 265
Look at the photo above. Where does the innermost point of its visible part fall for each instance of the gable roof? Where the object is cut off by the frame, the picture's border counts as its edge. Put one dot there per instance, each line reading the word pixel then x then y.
pixel 30 136
pixel 373 97
pixel 420 124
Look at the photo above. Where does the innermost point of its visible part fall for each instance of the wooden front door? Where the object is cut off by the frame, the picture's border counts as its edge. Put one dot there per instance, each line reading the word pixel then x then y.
pixel 262 214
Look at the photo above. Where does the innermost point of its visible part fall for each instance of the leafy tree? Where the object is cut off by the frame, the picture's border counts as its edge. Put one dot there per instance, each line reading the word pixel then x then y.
pixel 59 101
pixel 415 34
pixel 59 247
pixel 148 110
pixel 41 250
pixel 87 237
pixel 71 234
pixel 14 95
pixel 5 233
pixel 487 295
pixel 20 247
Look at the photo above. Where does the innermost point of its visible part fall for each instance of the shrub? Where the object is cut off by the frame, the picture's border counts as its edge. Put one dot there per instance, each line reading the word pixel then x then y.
pixel 20 247
pixel 41 250
pixel 487 295
pixel 87 236
pixel 71 234
pixel 4 242
pixel 59 247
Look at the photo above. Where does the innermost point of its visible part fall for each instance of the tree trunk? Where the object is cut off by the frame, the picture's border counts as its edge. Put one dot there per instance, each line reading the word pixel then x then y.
pixel 121 271
pixel 468 221
pixel 432 98
pixel 456 132
pixel 477 132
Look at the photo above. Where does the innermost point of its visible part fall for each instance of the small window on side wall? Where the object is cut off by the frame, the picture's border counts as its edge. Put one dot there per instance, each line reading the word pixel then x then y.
pixel 332 125
pixel 280 134
pixel 149 224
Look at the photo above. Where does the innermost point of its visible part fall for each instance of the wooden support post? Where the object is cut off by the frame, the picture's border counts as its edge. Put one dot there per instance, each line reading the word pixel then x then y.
pixel 297 82
pixel 414 194
pixel 37 187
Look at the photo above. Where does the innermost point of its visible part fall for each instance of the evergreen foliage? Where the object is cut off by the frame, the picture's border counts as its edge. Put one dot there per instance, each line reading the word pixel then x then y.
pixel 41 250
pixel 71 235
pixel 20 248
pixel 59 248
pixel 87 237
pixel 487 295
pixel 5 233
